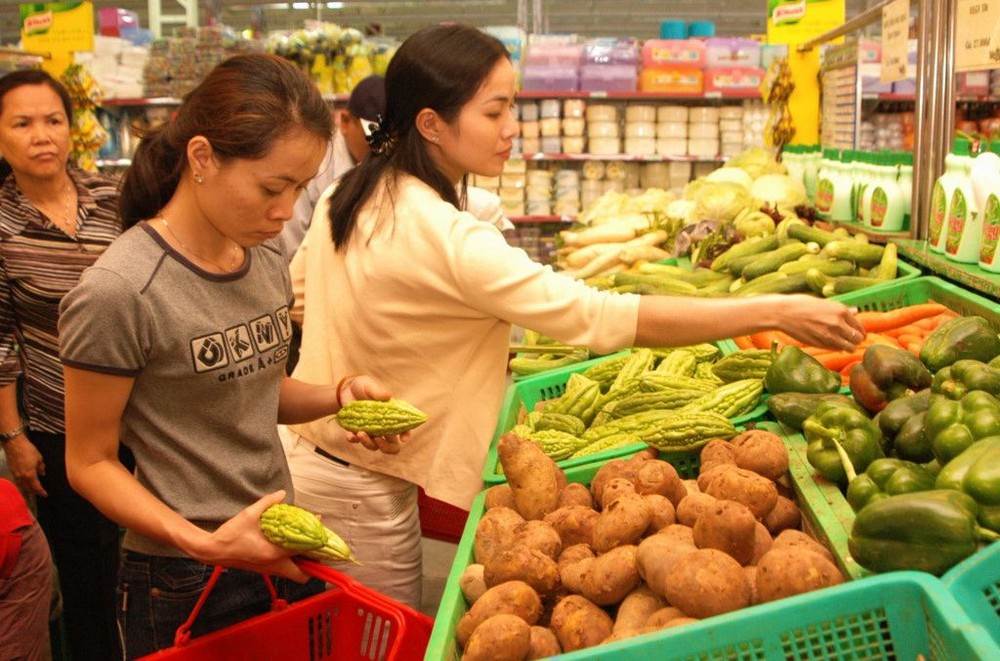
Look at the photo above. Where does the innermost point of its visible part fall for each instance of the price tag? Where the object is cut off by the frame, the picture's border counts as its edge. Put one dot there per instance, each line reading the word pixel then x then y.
pixel 977 35
pixel 895 39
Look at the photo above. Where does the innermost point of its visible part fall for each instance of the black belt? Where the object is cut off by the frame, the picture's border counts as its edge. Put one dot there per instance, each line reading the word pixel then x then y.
pixel 337 460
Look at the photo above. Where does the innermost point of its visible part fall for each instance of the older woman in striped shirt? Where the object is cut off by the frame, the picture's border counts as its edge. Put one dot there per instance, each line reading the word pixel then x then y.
pixel 55 221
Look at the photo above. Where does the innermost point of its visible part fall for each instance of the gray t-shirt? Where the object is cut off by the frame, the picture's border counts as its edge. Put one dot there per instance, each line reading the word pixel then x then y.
pixel 207 353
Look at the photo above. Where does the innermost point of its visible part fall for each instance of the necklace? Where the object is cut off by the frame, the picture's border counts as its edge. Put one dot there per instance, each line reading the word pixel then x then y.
pixel 232 261
pixel 67 220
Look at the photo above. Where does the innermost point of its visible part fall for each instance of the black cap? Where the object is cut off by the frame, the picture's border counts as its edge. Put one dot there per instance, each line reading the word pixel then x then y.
pixel 367 100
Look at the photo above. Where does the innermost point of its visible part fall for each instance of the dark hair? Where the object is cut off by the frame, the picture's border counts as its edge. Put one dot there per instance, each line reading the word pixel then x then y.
pixel 22 77
pixel 244 105
pixel 440 68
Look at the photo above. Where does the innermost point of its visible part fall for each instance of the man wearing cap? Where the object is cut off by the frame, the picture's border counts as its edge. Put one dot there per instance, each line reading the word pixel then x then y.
pixel 347 148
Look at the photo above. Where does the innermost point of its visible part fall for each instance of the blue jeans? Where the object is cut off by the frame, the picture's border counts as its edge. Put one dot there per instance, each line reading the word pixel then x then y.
pixel 156 594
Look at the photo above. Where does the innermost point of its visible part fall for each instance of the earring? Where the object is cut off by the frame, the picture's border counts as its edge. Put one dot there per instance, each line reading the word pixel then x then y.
pixel 436 138
pixel 198 179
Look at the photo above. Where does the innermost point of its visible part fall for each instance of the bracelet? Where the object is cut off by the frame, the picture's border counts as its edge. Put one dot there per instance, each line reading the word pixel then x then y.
pixel 12 434
pixel 340 386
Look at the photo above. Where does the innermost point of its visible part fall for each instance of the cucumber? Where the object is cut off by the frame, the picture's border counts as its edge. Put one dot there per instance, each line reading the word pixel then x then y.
pixel 769 262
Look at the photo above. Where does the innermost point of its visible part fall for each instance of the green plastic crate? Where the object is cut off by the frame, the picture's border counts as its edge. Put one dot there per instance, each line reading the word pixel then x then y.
pixel 582 365
pixel 896 295
pixel 902 615
pixel 975 584
pixel 896 615
pixel 905 272
pixel 552 384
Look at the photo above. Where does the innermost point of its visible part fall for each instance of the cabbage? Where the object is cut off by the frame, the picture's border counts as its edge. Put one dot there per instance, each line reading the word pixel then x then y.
pixel 733 175
pixel 720 201
pixel 780 191
pixel 756 161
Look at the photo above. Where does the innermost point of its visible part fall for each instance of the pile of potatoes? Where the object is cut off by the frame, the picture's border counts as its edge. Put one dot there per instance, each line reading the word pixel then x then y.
pixel 560 567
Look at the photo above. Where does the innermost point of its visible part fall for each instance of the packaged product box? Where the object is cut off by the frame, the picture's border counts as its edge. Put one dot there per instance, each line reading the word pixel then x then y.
pixel 671 53
pixel 733 79
pixel 608 78
pixel 672 81
pixel 731 52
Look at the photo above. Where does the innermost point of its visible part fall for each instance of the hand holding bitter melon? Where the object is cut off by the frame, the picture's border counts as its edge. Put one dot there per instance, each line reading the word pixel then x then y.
pixel 378 418
pixel 297 529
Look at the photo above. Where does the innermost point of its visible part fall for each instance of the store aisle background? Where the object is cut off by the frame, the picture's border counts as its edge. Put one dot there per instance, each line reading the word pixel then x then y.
pixel 438 558
pixel 400 18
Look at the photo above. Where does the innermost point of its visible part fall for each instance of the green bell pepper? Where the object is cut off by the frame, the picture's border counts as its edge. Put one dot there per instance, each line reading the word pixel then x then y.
pixel 976 471
pixel 962 337
pixel 966 375
pixel 953 425
pixel 911 442
pixel 898 412
pixel 927 531
pixel 792 408
pixel 793 370
pixel 887 477
pixel 840 439
pixel 886 373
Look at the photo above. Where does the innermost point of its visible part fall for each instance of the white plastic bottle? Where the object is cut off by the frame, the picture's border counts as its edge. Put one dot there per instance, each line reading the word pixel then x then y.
pixel 823 199
pixel 942 191
pixel 870 170
pixel 841 207
pixel 810 166
pixel 985 174
pixel 964 228
pixel 905 180
pixel 886 209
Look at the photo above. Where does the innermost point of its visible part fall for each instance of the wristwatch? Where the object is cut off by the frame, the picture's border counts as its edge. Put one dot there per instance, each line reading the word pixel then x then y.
pixel 11 435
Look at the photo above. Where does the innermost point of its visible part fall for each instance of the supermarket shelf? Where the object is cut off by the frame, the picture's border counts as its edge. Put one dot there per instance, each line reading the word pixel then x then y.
pixel 968 275
pixel 175 101
pixel 876 237
pixel 973 98
pixel 626 96
pixel 541 219
pixel 540 156
pixel 114 162
pixel 887 96
pixel 151 101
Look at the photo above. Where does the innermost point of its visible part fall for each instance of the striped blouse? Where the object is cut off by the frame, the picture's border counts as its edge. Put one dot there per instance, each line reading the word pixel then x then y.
pixel 39 264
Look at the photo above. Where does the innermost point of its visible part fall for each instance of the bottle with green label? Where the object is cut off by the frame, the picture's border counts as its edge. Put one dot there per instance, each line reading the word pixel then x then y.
pixel 905 179
pixel 812 158
pixel 986 186
pixel 964 227
pixel 840 208
pixel 823 200
pixel 887 204
pixel 869 176
pixel 941 193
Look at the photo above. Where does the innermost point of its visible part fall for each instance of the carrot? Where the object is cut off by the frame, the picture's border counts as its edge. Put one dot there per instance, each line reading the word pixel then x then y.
pixel 744 342
pixel 845 373
pixel 837 360
pixel 878 338
pixel 763 339
pixel 931 323
pixel 906 339
pixel 873 321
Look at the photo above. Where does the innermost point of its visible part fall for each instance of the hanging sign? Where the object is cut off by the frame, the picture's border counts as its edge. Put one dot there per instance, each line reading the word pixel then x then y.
pixel 57 29
pixel 977 35
pixel 895 40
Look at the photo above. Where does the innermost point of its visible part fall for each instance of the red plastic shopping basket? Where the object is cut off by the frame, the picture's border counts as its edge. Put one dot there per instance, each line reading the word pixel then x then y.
pixel 348 622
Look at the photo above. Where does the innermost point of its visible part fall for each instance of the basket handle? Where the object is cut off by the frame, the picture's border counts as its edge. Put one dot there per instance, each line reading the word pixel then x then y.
pixel 396 611
pixel 183 633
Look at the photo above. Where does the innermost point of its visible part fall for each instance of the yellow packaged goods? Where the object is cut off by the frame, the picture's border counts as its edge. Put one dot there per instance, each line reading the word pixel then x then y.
pixel 671 81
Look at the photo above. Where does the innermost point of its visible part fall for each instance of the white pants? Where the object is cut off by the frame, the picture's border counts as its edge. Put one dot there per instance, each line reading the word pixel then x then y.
pixel 376 514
